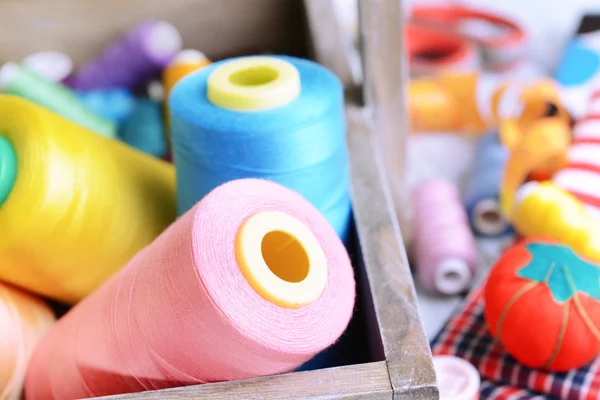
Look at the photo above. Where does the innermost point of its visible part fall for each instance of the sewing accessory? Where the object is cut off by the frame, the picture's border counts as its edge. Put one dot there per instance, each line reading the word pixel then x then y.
pixel 502 377
pixel 482 198
pixel 133 59
pixel 451 37
pixel 251 281
pixel 277 118
pixel 457 378
pixel 567 207
pixel 24 320
pixel 443 247
pixel 20 81
pixel 542 302
pixel 186 62
pixel 115 105
pixel 53 66
pixel 77 206
pixel 144 128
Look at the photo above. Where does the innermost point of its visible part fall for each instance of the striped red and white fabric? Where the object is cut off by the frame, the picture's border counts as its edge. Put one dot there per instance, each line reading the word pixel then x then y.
pixel 581 176
pixel 502 377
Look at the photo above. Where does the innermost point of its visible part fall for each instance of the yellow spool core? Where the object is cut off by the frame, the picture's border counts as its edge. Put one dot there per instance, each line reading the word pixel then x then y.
pixel 254 84
pixel 281 258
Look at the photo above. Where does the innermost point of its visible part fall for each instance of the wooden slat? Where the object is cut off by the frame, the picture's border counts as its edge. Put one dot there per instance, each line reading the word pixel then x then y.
pixel 385 71
pixel 357 382
pixel 405 345
pixel 329 44
pixel 220 28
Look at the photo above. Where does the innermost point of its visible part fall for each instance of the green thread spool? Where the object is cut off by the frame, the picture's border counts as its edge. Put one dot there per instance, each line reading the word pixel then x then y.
pixel 8 168
pixel 21 81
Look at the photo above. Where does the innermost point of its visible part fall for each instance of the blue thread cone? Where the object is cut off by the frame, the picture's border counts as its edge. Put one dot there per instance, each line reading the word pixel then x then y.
pixel 112 104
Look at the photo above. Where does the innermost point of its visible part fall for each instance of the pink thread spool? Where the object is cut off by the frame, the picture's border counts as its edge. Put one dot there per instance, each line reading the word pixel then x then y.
pixel 192 307
pixel 443 247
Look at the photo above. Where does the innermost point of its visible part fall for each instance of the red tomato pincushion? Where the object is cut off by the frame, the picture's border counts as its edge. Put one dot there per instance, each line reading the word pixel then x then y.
pixel 542 303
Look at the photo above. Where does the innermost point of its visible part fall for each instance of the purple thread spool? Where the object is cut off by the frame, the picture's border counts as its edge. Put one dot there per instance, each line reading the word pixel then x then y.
pixel 132 60
pixel 443 247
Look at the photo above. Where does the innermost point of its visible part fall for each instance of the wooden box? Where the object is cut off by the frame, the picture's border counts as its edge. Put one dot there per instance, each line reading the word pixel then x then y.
pixel 386 354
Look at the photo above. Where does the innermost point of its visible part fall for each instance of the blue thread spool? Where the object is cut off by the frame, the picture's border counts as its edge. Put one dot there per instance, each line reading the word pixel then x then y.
pixel 112 104
pixel 482 196
pixel 277 118
pixel 144 128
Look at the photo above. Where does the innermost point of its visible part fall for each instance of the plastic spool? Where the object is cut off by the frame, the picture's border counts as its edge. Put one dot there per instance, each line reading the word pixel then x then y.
pixel 482 198
pixel 55 66
pixel 132 60
pixel 443 247
pixel 79 205
pixel 457 379
pixel 213 298
pixel 22 82
pixel 275 118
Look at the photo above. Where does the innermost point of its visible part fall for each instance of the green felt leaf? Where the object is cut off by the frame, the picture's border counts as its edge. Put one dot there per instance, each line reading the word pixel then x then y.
pixel 562 270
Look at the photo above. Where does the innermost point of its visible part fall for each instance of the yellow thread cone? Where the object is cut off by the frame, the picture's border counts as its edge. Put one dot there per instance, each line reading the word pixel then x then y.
pixel 82 205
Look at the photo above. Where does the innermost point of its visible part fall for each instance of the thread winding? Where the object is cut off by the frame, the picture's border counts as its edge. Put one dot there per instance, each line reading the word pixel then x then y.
pixel 20 81
pixel 131 60
pixel 144 128
pixel 114 105
pixel 300 145
pixel 81 205
pixel 165 319
pixel 24 320
pixel 482 199
pixel 443 247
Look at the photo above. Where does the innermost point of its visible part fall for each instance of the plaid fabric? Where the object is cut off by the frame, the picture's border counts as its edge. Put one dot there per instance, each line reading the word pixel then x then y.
pixel 466 336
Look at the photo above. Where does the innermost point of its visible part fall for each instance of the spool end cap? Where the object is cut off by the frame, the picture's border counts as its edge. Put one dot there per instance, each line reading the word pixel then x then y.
pixel 453 276
pixel 457 378
pixel 8 168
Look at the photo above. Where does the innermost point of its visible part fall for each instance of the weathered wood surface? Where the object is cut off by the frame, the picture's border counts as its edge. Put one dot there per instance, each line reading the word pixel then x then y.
pixel 356 382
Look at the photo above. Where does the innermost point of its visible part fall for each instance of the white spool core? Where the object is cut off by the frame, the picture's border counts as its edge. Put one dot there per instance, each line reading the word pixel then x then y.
pixel 452 276
pixel 52 65
pixel 164 41
pixel 156 91
pixel 8 73
pixel 488 219
pixel 524 191
pixel 189 56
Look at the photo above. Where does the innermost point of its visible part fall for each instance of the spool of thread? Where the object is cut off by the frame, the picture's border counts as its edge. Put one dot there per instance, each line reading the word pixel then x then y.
pixel 24 320
pixel 20 81
pixel 457 378
pixel 277 118
pixel 133 59
pixel 252 281
pixel 144 128
pixel 115 105
pixel 443 248
pixel 482 199
pixel 53 66
pixel 77 206
pixel 186 62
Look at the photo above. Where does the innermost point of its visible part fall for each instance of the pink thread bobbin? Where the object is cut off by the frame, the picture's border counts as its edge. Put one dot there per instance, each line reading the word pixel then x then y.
pixel 443 247
pixel 191 307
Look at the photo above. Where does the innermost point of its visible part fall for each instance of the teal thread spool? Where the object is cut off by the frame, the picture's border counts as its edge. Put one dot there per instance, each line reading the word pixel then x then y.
pixel 22 82
pixel 8 168
pixel 114 105
pixel 144 128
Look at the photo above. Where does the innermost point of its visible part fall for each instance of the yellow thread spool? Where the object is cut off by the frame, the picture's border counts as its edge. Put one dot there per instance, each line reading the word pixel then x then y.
pixel 254 84
pixel 81 205
pixel 547 210
pixel 186 62
pixel 281 259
